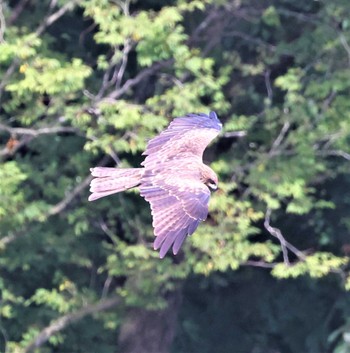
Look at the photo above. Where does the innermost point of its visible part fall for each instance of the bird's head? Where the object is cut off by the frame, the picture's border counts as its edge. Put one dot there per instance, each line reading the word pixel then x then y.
pixel 210 179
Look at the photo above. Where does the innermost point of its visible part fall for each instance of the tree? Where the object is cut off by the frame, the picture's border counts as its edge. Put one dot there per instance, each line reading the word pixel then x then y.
pixel 86 83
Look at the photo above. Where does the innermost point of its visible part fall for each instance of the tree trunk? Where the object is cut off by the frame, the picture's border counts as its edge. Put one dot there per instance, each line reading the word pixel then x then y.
pixel 150 331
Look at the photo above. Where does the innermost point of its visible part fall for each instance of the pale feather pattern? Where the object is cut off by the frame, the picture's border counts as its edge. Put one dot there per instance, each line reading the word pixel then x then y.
pixel 177 209
pixel 109 181
pixel 186 136
pixel 172 180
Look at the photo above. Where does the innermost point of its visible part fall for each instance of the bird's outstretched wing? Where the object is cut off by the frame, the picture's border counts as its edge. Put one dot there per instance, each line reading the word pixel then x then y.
pixel 185 136
pixel 178 206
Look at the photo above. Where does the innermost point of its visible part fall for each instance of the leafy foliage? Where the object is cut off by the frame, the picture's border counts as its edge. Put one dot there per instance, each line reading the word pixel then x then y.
pixel 86 83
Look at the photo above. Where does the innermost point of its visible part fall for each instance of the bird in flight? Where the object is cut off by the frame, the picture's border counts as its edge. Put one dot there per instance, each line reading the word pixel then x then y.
pixel 173 179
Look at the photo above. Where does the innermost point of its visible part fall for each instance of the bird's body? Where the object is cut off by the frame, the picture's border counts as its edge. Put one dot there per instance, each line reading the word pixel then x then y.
pixel 173 179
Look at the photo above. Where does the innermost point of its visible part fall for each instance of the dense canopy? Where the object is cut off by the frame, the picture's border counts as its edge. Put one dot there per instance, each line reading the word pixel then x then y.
pixel 87 83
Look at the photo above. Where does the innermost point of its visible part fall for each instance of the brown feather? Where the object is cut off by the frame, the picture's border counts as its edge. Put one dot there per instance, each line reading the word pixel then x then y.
pixel 174 179
pixel 111 180
pixel 177 204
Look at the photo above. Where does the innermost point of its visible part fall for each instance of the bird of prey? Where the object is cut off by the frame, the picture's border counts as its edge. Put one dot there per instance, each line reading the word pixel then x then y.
pixel 173 179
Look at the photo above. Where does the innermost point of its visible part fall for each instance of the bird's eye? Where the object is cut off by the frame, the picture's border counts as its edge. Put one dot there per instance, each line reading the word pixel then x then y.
pixel 211 184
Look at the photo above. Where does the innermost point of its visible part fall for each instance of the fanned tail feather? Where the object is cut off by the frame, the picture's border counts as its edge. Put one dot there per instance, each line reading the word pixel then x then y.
pixel 109 181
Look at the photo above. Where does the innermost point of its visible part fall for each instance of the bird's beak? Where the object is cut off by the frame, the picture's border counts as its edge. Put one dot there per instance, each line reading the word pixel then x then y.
pixel 212 186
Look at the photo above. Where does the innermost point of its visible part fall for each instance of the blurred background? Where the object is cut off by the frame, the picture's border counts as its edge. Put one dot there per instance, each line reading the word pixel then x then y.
pixel 86 83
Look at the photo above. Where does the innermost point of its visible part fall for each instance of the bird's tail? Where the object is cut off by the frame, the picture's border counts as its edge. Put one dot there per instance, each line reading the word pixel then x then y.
pixel 109 181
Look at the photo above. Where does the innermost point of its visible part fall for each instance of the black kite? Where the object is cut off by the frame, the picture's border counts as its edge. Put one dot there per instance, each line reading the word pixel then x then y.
pixel 174 179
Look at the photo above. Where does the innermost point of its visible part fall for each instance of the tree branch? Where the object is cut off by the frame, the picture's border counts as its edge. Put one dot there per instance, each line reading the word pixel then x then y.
pixel 276 233
pixel 37 132
pixel 49 20
pixel 17 11
pixel 251 39
pixel 4 336
pixel 314 19
pixel 267 74
pixel 279 138
pixel 338 153
pixel 238 133
pixel 213 16
pixel 56 209
pixel 29 134
pixel 285 245
pixel 10 238
pixel 10 70
pixel 2 24
pixel 61 323
pixel 345 45
pixel 55 16
pixel 118 73
pixel 261 264
pixel 59 207
pixel 138 78
pixel 125 6
pixel 7 151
